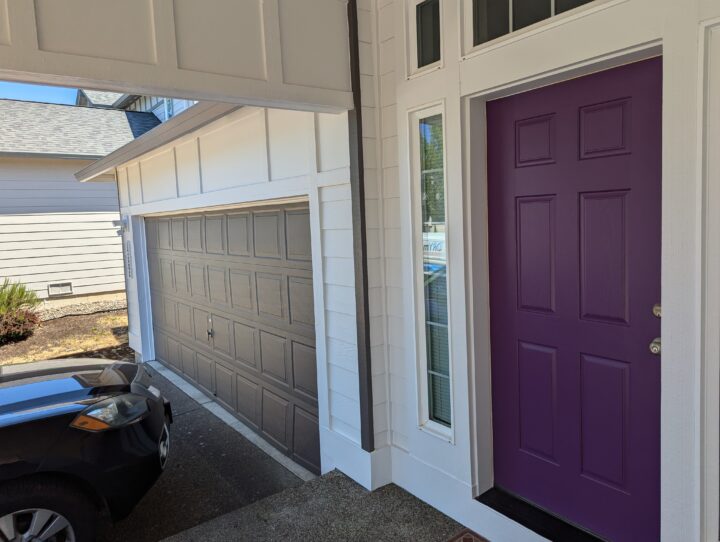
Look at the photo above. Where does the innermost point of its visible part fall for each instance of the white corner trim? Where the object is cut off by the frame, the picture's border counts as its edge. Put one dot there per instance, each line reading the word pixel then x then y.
pixel 220 412
pixel 369 469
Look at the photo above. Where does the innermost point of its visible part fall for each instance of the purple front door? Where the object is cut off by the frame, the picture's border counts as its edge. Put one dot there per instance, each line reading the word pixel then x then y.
pixel 574 215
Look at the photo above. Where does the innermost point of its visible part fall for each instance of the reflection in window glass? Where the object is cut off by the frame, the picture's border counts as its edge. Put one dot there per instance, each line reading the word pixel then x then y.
pixel 527 12
pixel 434 232
pixel 564 5
pixel 491 19
pixel 427 19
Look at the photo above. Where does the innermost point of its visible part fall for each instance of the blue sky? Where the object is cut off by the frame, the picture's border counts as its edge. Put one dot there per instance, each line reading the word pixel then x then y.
pixel 37 93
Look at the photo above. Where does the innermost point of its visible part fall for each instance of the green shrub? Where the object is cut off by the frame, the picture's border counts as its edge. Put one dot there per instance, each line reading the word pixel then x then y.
pixel 17 325
pixel 17 318
pixel 15 296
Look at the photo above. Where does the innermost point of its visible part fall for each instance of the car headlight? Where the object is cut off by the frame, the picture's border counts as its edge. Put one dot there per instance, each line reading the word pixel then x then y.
pixel 112 413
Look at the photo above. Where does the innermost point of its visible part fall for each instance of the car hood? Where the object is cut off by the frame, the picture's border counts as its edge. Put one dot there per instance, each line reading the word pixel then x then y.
pixel 50 387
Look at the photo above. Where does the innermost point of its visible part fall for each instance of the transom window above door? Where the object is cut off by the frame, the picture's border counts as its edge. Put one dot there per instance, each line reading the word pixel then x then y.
pixel 492 19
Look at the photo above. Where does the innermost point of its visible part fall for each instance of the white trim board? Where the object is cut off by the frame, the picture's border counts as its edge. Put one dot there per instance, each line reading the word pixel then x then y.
pixel 214 407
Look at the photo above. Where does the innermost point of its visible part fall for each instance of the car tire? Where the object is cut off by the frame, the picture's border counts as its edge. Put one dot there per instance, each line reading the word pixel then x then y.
pixel 57 496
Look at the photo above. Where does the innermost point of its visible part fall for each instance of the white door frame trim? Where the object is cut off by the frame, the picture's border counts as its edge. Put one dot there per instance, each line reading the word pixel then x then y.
pixel 709 138
pixel 475 180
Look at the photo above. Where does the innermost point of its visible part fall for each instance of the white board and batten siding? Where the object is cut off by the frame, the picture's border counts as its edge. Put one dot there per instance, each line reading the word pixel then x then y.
pixel 54 229
pixel 288 53
pixel 256 155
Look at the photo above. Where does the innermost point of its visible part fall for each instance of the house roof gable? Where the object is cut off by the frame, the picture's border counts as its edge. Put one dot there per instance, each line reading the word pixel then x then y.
pixel 34 128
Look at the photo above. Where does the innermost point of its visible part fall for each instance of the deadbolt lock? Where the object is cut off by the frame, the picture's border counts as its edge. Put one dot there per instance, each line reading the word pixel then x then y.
pixel 655 346
pixel 657 310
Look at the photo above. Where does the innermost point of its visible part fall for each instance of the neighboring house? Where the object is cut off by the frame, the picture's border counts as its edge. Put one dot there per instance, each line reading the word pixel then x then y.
pixel 59 236
pixel 441 264
pixel 162 108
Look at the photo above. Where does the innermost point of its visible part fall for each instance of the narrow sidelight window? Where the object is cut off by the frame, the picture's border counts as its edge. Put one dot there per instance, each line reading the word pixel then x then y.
pixel 434 237
pixel 491 19
pixel 427 17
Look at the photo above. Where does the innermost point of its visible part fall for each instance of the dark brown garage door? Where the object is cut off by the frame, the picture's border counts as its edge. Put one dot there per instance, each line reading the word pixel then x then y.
pixel 232 303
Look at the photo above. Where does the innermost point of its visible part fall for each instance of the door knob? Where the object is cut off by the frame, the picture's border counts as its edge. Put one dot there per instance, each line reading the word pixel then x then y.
pixel 655 346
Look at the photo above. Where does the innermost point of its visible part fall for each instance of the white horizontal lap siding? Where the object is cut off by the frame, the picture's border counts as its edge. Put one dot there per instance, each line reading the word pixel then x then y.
pixel 254 155
pixel 341 326
pixel 55 229
pixel 377 50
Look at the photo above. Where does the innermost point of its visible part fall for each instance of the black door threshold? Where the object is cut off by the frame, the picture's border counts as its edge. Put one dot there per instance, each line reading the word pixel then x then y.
pixel 534 518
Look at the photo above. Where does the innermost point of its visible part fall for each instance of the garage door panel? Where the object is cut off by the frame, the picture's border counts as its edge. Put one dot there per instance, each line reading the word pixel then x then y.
pixel 163 232
pixel 301 303
pixel 178 234
pixel 304 370
pixel 270 296
pixel 215 234
pixel 298 236
pixel 218 285
pixel 166 274
pixel 267 238
pixel 273 357
pixel 247 276
pixel 195 234
pixel 160 345
pixel 198 288
pixel 158 310
pixel 239 239
pixel 151 235
pixel 225 385
pixel 222 339
pixel 248 401
pixel 173 353
pixel 205 372
pixel 275 418
pixel 187 361
pixel 184 319
pixel 242 290
pixel 170 314
pixel 246 344
pixel 182 283
pixel 306 449
pixel 201 325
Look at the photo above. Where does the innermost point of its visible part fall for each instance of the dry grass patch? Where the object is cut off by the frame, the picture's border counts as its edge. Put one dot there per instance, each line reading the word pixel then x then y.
pixel 69 336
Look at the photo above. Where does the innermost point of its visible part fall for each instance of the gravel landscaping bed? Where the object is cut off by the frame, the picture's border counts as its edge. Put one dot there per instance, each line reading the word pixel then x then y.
pixel 76 309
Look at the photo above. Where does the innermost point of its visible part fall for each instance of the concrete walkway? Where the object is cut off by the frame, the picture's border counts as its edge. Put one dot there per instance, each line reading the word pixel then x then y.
pixel 329 508
pixel 224 483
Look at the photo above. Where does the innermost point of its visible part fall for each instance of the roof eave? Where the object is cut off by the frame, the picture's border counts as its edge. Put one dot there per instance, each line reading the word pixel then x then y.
pixel 54 155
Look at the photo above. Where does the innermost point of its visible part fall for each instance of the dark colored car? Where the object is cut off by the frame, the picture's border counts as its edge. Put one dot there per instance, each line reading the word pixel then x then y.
pixel 78 438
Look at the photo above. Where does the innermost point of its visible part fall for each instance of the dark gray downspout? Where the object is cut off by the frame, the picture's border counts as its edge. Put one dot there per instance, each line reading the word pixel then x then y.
pixel 357 184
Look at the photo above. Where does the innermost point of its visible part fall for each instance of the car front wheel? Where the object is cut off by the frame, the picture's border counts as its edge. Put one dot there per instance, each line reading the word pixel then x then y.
pixel 45 511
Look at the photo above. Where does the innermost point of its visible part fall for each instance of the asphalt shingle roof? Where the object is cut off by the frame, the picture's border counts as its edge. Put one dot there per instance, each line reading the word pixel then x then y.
pixel 41 128
pixel 100 97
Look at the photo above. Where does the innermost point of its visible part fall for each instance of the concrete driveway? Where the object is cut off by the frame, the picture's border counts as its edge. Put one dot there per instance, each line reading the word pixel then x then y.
pixel 212 470
pixel 220 486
